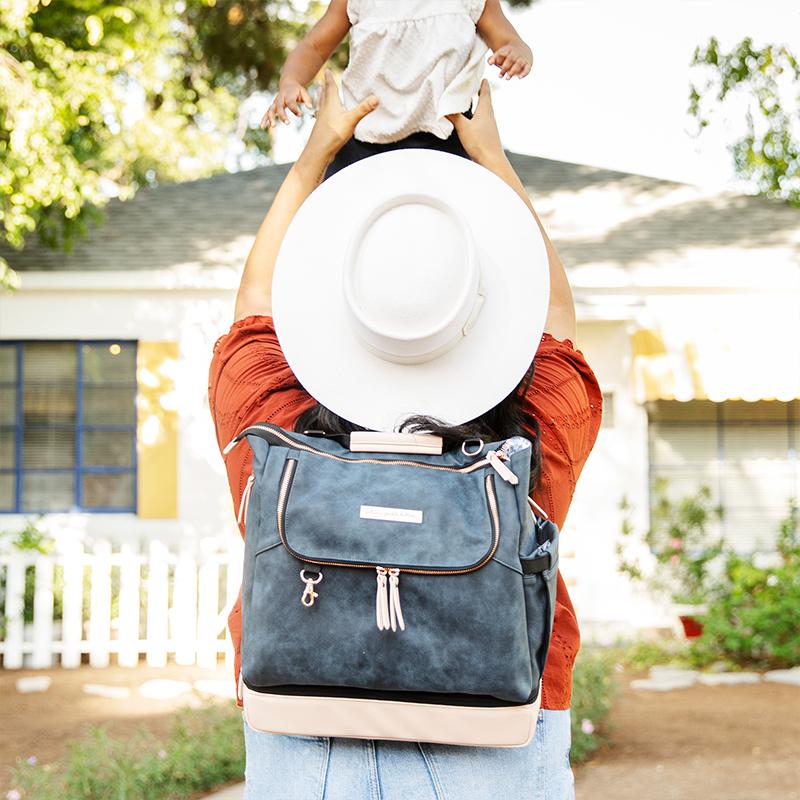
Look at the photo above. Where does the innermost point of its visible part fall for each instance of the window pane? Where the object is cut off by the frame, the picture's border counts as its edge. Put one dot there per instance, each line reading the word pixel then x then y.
pixel 49 404
pixel 8 363
pixel 48 491
pixel 681 483
pixel 607 420
pixel 48 447
pixel 51 362
pixel 109 361
pixel 109 405
pixel 6 491
pixel 107 449
pixel 7 438
pixel 749 528
pixel 681 445
pixel 8 405
pixel 754 442
pixel 677 411
pixel 107 491
pixel 736 411
pixel 761 485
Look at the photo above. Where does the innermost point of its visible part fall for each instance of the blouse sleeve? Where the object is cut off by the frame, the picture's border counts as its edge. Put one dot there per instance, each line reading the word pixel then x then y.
pixel 474 8
pixel 352 11
pixel 247 369
pixel 566 399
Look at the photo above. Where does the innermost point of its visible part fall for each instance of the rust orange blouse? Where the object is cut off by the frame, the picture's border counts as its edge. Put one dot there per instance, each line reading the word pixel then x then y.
pixel 249 381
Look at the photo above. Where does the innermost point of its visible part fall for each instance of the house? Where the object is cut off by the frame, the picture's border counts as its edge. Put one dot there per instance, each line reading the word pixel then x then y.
pixel 689 313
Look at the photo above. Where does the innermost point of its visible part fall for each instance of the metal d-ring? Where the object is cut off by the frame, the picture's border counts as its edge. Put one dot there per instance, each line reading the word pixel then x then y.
pixel 310 580
pixel 309 595
pixel 470 452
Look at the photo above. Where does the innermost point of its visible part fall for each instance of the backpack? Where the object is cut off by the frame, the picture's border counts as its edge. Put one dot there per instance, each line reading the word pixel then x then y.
pixel 393 591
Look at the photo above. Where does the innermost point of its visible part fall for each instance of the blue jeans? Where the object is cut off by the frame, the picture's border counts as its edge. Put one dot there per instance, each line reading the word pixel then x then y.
pixel 318 768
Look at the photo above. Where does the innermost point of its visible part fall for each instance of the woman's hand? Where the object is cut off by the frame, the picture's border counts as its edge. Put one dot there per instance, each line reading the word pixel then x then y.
pixel 291 94
pixel 479 135
pixel 512 59
pixel 334 124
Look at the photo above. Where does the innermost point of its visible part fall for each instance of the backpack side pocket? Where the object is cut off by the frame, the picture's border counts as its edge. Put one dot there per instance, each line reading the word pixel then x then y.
pixel 540 570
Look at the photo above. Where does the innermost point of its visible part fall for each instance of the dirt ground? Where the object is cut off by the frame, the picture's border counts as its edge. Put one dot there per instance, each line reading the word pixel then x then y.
pixel 39 723
pixel 704 743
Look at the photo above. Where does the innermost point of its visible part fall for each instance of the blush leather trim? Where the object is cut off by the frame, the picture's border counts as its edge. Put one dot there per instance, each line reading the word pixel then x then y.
pixel 476 726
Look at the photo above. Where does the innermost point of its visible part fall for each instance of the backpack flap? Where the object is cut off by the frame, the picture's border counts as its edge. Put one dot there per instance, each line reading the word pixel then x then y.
pixel 386 513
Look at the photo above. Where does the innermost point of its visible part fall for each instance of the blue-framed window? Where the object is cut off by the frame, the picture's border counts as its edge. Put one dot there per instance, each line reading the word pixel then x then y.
pixel 67 426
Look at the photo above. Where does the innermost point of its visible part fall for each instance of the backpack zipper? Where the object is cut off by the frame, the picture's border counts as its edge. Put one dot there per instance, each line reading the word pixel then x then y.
pixel 279 434
pixel 283 494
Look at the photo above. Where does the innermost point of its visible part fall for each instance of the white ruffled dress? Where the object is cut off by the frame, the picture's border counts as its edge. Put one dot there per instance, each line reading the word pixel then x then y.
pixel 423 59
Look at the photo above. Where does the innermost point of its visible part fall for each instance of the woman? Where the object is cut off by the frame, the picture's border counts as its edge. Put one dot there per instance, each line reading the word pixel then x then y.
pixel 557 405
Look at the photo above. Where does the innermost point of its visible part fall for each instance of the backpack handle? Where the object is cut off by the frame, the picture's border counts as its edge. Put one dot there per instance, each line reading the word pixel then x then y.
pixel 390 442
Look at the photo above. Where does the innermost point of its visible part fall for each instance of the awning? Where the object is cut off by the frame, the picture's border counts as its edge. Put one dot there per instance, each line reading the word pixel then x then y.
pixel 719 348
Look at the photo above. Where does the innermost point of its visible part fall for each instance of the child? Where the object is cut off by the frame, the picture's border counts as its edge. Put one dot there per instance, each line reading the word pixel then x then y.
pixel 423 59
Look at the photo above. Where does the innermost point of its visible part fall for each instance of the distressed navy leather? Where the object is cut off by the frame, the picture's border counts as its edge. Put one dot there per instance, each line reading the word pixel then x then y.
pixel 482 633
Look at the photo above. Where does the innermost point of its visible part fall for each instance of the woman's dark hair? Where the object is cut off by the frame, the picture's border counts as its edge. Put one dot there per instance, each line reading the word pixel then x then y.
pixel 502 421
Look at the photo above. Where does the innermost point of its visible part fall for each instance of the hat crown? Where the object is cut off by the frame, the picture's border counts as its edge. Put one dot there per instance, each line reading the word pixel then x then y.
pixel 412 278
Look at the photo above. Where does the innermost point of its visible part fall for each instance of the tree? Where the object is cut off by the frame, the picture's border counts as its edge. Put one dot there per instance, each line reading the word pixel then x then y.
pixel 769 79
pixel 98 99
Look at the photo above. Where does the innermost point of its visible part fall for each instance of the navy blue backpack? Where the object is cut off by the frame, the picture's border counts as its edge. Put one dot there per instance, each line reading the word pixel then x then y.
pixel 392 590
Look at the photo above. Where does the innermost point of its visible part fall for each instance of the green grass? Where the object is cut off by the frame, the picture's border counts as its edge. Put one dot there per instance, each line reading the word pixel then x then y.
pixel 203 750
pixel 643 654
pixel 594 685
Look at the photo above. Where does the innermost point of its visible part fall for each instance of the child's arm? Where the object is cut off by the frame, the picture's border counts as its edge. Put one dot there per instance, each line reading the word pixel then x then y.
pixel 334 125
pixel 306 60
pixel 509 52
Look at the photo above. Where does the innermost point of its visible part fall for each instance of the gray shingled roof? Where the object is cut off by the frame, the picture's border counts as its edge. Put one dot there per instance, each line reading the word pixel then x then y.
pixel 596 217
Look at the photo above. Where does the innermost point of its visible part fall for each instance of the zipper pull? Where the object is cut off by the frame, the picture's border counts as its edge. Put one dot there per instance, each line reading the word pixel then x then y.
pixel 536 507
pixel 395 611
pixel 232 443
pixel 494 458
pixel 381 603
pixel 309 595
pixel 242 515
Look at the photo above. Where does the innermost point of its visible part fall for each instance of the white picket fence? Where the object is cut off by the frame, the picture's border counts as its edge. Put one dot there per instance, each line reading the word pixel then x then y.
pixel 127 600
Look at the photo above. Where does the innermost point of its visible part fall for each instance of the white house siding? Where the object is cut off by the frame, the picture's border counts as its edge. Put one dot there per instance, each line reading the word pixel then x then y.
pixel 607 605
pixel 108 305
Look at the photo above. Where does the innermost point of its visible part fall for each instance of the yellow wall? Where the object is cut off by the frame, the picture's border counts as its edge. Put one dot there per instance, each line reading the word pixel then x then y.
pixel 157 430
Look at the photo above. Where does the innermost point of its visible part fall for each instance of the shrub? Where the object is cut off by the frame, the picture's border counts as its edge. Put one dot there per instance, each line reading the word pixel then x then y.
pixel 593 688
pixel 752 614
pixel 686 555
pixel 31 538
pixel 643 654
pixel 204 750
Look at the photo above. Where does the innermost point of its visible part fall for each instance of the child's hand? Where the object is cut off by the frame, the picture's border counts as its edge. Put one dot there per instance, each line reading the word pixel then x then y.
pixel 512 59
pixel 290 95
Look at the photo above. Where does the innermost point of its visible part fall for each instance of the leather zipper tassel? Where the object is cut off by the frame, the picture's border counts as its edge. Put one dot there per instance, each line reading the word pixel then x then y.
pixel 494 457
pixel 395 610
pixel 381 600
pixel 242 515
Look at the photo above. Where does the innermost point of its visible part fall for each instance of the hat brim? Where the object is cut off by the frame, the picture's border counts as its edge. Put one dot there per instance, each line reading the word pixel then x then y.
pixel 312 321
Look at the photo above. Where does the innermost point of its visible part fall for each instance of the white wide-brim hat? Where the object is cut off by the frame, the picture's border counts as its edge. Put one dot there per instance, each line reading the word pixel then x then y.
pixel 411 282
